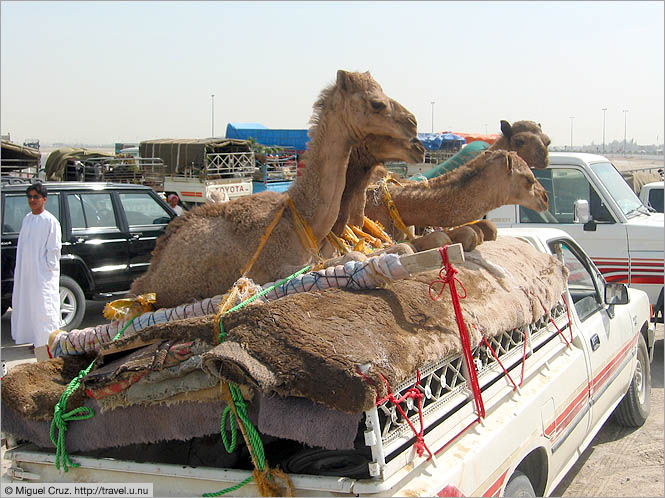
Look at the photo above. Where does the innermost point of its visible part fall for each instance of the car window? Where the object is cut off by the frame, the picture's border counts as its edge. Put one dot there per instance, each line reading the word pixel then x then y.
pixel 565 186
pixel 16 207
pixel 581 283
pixel 142 209
pixel 656 199
pixel 91 210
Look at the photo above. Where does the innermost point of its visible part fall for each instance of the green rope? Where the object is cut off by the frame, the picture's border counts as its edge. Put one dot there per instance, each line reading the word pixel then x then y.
pixel 232 488
pixel 222 332
pixel 61 418
pixel 256 446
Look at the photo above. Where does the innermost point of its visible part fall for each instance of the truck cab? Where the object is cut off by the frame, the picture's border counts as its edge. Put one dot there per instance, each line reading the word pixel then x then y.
pixel 590 200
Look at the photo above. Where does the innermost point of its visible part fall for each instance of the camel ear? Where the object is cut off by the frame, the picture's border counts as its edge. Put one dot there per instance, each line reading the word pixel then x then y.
pixel 506 129
pixel 343 79
pixel 540 126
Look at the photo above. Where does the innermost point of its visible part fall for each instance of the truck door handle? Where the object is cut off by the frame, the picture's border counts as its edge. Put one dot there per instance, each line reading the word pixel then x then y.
pixel 135 236
pixel 79 240
pixel 595 342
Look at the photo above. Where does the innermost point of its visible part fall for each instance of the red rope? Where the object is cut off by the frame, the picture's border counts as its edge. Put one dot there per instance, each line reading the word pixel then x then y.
pixel 487 344
pixel 412 393
pixel 555 325
pixel 523 358
pixel 570 322
pixel 450 279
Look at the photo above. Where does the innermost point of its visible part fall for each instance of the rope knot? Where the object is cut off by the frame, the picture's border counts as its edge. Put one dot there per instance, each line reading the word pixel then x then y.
pixel 447 278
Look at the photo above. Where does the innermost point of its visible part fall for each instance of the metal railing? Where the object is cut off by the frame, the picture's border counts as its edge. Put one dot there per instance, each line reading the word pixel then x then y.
pixel 229 165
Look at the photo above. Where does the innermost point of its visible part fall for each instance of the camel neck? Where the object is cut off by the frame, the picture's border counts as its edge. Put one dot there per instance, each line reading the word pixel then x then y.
pixel 451 199
pixel 317 193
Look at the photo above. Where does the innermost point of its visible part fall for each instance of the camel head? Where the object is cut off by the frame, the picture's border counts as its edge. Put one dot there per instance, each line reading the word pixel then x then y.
pixel 366 110
pixel 522 186
pixel 378 149
pixel 527 139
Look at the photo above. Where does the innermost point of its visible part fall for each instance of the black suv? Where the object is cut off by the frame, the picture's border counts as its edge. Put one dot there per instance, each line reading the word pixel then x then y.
pixel 108 233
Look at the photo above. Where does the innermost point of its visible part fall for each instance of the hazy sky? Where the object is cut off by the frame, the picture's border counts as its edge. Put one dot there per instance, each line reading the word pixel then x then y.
pixel 104 72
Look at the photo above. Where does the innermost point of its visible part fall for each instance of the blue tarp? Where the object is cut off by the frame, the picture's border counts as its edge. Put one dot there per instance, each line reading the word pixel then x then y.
pixel 438 141
pixel 296 139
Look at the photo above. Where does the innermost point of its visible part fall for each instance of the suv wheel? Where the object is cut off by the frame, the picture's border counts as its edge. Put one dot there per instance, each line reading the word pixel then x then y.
pixel 72 303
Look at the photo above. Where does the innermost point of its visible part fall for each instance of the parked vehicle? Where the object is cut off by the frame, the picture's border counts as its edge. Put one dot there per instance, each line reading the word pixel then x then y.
pixel 201 169
pixel 651 196
pixel 590 200
pixel 276 172
pixel 18 161
pixel 590 361
pixel 108 234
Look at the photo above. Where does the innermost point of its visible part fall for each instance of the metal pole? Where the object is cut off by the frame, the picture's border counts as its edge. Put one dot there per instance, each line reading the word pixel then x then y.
pixel 604 110
pixel 432 116
pixel 571 132
pixel 212 119
pixel 625 116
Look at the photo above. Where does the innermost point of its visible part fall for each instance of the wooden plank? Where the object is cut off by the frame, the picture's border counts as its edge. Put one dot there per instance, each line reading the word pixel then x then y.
pixel 431 259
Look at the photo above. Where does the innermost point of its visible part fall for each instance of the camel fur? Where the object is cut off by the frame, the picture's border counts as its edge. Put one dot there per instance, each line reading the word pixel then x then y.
pixel 204 251
pixel 490 180
pixel 527 139
pixel 524 137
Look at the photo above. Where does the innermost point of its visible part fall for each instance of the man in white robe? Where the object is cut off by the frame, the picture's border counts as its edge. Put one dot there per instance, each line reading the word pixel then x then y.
pixel 36 295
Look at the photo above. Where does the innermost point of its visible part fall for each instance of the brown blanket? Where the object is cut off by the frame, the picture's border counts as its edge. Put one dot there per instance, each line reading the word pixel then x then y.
pixel 311 345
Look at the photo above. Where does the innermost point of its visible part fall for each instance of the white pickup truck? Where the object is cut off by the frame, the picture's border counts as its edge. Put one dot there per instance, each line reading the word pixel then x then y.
pixel 563 379
pixel 590 200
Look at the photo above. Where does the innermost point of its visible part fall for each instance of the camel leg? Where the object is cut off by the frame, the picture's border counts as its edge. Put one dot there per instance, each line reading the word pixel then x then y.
pixel 349 256
pixel 466 236
pixel 430 241
pixel 399 249
pixel 488 228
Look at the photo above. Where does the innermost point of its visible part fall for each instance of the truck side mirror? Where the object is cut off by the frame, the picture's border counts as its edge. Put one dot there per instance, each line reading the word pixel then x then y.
pixel 616 293
pixel 581 211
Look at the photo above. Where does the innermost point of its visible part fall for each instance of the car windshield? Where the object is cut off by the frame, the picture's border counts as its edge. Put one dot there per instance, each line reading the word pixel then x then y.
pixel 619 190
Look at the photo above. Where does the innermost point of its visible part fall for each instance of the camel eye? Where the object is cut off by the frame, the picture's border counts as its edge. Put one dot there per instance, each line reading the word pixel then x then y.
pixel 519 142
pixel 378 105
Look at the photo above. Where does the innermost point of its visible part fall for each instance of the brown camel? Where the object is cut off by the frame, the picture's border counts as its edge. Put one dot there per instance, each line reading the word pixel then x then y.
pixel 527 139
pixel 204 251
pixel 524 137
pixel 490 180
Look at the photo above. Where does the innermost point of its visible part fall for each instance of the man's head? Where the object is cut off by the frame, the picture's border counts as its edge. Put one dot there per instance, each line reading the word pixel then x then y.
pixel 173 200
pixel 37 194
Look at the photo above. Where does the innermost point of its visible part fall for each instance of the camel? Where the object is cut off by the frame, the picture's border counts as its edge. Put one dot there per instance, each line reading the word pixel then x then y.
pixel 490 180
pixel 527 139
pixel 524 137
pixel 204 251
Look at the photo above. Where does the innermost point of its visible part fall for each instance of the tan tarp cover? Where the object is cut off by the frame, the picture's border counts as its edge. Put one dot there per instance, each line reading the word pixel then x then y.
pixel 16 156
pixel 56 161
pixel 637 179
pixel 178 153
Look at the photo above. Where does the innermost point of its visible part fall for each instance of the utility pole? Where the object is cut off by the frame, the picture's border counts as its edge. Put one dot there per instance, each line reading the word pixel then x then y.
pixel 212 119
pixel 433 102
pixel 571 132
pixel 625 117
pixel 604 110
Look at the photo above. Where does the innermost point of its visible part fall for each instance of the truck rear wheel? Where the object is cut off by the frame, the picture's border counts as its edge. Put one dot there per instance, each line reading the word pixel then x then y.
pixel 635 406
pixel 519 485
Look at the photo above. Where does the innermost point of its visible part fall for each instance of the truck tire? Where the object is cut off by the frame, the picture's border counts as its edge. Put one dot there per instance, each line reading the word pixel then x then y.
pixel 519 485
pixel 635 406
pixel 72 303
